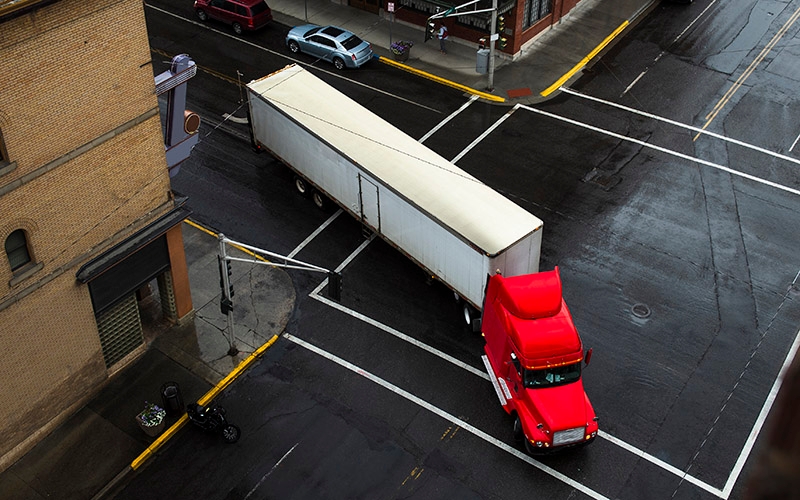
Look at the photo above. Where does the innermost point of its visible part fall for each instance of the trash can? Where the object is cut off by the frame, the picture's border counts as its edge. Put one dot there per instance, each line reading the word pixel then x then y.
pixel 482 61
pixel 171 397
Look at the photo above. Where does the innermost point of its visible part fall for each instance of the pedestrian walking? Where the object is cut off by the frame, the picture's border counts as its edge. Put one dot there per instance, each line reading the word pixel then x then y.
pixel 442 38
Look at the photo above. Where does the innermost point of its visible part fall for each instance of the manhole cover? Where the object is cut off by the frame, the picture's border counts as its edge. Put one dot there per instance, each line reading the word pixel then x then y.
pixel 640 310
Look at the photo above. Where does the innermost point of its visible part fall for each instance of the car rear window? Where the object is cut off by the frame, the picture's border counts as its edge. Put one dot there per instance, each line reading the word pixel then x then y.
pixel 259 8
pixel 352 42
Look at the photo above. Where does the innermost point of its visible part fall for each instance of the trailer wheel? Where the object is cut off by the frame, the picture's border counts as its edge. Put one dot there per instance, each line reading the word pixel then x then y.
pixel 319 200
pixel 301 185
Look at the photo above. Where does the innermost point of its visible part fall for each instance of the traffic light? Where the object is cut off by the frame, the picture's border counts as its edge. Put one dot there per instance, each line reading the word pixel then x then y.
pixel 501 24
pixel 222 278
pixel 502 42
pixel 225 305
pixel 430 31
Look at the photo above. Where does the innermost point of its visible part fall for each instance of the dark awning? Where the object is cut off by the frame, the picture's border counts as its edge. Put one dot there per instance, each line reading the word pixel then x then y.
pixel 121 251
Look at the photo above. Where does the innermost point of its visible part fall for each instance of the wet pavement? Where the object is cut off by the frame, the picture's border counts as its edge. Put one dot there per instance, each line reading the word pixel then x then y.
pixel 93 451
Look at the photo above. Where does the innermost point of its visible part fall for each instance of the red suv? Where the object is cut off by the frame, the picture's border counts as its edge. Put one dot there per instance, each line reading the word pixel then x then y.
pixel 242 15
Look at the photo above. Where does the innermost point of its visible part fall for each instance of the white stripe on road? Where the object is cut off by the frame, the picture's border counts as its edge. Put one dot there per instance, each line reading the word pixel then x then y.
pixel 450 418
pixel 452 115
pixel 664 150
pixel 314 234
pixel 484 134
pixel 682 125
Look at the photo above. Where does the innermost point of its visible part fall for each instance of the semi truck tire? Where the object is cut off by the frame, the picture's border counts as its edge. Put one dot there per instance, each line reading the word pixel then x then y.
pixel 320 200
pixel 301 185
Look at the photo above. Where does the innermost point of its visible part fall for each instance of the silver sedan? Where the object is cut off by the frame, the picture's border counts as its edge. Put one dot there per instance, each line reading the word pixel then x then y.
pixel 329 43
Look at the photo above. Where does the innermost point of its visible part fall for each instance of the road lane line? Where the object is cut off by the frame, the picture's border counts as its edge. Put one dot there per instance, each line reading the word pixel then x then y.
pixel 297 61
pixel 658 58
pixel 450 418
pixel 402 336
pixel 452 115
pixel 682 125
pixel 665 150
pixel 747 72
pixel 313 235
pixel 265 476
pixel 484 134
pixel 762 417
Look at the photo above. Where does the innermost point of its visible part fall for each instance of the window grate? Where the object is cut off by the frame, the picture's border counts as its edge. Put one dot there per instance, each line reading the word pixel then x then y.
pixel 120 329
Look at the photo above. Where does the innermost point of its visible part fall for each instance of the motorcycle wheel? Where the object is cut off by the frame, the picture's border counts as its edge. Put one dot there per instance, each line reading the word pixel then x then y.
pixel 231 433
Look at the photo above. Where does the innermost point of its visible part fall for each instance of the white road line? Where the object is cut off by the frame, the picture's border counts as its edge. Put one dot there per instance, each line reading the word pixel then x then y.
pixel 402 336
pixel 313 235
pixel 480 373
pixel 331 73
pixel 452 115
pixel 265 476
pixel 794 143
pixel 484 134
pixel 664 51
pixel 682 125
pixel 450 418
pixel 665 150
pixel 762 417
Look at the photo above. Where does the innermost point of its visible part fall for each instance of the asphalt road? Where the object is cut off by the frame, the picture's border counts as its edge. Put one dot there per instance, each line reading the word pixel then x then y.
pixel 679 273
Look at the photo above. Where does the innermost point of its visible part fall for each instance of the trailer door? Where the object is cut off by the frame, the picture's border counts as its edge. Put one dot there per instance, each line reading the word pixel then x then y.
pixel 370 204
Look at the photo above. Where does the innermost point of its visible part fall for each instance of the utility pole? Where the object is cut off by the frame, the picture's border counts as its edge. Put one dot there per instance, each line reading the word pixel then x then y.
pixel 492 40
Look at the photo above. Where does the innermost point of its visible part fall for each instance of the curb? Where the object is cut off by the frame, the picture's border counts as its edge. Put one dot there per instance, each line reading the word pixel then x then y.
pixel 438 79
pixel 169 433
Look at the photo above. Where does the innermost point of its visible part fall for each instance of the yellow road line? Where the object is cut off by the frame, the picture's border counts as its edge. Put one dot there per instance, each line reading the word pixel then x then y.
pixel 438 79
pixel 746 74
pixel 208 397
pixel 552 88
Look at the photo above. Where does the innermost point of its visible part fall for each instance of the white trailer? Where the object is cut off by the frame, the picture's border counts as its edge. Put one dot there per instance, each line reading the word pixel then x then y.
pixel 451 224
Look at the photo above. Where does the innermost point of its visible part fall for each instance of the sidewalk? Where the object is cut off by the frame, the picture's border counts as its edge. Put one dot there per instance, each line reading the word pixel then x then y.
pixel 94 449
pixel 555 56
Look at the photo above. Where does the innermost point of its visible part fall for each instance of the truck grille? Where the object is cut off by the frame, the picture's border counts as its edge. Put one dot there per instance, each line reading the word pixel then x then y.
pixel 568 436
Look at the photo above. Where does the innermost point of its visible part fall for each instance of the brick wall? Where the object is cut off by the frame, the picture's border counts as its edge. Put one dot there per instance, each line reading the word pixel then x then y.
pixel 79 116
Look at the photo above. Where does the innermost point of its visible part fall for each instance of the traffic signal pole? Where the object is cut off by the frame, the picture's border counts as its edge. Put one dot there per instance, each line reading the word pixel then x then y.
pixel 492 40
pixel 456 11
pixel 226 300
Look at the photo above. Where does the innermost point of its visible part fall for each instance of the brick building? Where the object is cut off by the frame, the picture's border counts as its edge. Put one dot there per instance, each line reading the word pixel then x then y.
pixel 87 217
pixel 522 19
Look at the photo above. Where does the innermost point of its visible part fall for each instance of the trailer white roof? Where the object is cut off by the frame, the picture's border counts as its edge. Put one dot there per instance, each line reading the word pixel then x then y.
pixel 468 207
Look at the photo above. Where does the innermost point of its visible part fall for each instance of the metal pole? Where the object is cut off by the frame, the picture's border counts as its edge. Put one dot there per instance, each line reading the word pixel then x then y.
pixel 226 291
pixel 492 39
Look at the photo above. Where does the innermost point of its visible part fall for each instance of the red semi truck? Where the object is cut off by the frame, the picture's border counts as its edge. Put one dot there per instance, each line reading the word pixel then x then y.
pixel 534 357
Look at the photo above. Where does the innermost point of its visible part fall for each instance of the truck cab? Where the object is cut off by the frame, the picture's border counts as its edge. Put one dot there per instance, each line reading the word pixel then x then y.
pixel 534 357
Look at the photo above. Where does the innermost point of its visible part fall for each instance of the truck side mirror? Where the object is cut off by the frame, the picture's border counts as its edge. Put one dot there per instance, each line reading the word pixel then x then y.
pixel 588 356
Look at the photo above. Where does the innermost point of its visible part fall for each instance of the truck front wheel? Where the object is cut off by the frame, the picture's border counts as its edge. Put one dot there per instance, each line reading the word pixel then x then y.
pixel 471 316
pixel 519 435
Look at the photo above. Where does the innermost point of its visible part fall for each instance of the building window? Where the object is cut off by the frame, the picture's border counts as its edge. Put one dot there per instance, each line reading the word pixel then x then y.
pixel 3 155
pixel 17 249
pixel 534 11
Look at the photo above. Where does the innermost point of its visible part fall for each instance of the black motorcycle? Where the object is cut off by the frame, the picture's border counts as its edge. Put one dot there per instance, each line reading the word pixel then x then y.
pixel 212 418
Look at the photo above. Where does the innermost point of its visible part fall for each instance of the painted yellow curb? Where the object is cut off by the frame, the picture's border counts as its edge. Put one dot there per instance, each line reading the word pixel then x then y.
pixel 552 88
pixel 215 235
pixel 425 74
pixel 210 395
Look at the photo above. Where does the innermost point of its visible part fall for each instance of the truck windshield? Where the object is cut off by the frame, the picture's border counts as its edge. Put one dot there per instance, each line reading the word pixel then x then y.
pixel 550 377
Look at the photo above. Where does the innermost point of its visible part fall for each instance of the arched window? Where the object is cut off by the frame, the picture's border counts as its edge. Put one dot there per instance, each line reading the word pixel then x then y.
pixel 17 249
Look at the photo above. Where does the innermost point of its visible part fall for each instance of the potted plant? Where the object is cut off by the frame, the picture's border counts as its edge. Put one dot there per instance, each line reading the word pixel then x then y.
pixel 151 419
pixel 401 49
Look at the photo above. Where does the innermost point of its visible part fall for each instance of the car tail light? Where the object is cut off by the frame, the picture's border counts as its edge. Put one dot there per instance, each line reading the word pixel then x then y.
pixel 354 57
